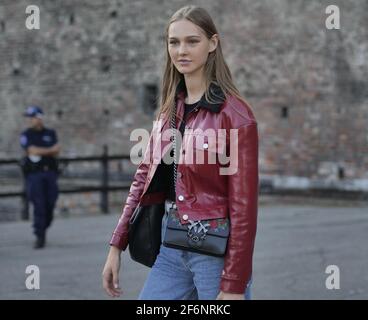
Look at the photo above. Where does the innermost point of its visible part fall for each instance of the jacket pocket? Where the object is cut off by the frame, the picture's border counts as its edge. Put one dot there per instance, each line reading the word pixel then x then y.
pixel 199 149
pixel 215 144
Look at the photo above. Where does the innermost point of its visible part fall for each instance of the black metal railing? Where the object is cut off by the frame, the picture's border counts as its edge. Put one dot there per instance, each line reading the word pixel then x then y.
pixel 103 188
pixel 265 187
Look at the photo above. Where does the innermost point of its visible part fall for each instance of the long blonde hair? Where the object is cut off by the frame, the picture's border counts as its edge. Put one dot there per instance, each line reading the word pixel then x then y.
pixel 216 69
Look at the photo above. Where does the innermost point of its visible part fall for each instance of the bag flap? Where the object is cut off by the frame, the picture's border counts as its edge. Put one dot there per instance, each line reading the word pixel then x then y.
pixel 217 227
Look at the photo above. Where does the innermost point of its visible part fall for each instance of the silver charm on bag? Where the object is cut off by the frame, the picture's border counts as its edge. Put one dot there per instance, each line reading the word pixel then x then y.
pixel 197 232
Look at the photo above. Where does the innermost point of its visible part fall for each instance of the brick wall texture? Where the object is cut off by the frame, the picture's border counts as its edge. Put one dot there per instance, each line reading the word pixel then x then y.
pixel 89 61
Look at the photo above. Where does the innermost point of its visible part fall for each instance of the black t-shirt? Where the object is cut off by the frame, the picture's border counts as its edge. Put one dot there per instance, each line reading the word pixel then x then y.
pixel 168 169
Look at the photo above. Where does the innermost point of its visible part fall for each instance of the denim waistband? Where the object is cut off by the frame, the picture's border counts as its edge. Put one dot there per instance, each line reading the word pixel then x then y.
pixel 169 204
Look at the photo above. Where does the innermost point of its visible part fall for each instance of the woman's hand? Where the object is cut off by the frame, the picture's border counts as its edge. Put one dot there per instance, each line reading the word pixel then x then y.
pixel 110 273
pixel 230 296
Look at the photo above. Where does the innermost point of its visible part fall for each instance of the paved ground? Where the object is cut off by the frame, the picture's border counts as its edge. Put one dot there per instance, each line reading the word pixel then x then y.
pixel 295 243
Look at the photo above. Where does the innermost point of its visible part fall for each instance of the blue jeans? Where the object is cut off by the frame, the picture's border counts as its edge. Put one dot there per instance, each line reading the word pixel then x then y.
pixel 183 275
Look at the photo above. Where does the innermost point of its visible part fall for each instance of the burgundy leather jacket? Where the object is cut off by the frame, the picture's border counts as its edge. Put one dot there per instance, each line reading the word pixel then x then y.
pixel 203 191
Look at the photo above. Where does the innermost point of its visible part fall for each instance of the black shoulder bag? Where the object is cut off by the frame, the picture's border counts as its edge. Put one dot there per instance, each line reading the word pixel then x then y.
pixel 144 235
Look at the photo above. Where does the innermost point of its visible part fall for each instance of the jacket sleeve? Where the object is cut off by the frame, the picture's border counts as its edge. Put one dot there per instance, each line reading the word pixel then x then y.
pixel 120 235
pixel 243 206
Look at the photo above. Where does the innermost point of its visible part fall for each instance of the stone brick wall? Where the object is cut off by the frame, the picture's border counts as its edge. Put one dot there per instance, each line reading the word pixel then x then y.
pixel 89 61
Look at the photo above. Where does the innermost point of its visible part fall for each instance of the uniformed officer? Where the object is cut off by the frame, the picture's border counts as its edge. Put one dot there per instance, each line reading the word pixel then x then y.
pixel 41 171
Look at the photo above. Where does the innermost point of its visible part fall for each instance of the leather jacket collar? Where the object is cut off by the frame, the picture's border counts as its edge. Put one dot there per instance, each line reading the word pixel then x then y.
pixel 215 92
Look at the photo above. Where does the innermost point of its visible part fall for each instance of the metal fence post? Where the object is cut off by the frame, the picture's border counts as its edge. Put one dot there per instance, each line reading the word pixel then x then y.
pixel 104 204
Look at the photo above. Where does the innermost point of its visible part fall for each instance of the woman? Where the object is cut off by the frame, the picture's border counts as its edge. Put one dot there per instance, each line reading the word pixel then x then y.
pixel 198 84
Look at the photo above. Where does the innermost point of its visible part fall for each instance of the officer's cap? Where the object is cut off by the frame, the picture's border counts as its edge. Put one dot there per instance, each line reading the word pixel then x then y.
pixel 33 111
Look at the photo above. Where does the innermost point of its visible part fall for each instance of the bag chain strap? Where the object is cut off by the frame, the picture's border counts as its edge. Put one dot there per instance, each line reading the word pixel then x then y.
pixel 174 133
pixel 173 126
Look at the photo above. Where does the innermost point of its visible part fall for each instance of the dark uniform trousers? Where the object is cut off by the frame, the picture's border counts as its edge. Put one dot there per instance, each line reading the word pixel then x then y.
pixel 41 177
pixel 42 192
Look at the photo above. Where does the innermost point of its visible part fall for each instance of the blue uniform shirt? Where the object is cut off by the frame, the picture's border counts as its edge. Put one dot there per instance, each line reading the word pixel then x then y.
pixel 39 138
